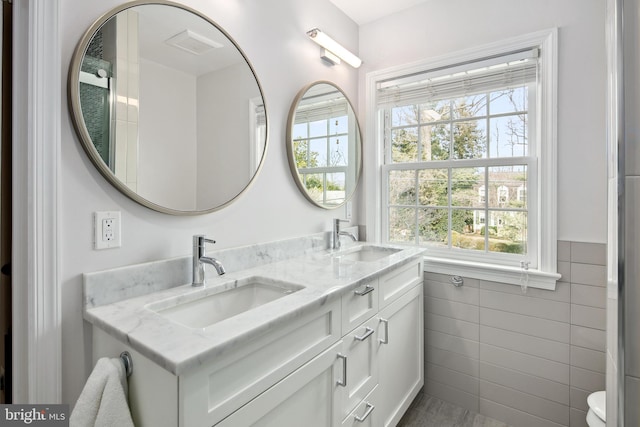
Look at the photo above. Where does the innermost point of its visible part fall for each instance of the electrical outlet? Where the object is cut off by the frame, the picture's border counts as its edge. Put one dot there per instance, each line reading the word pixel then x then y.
pixel 348 210
pixel 106 230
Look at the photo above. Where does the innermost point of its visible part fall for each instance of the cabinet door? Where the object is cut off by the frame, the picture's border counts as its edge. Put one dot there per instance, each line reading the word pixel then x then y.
pixel 400 355
pixel 309 397
pixel 360 349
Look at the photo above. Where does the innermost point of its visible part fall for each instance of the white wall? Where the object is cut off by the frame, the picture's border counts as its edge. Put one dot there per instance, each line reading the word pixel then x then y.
pixel 436 28
pixel 168 138
pixel 272 35
pixel 223 133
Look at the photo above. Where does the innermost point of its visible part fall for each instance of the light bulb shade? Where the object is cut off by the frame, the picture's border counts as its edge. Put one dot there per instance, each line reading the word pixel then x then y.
pixel 334 47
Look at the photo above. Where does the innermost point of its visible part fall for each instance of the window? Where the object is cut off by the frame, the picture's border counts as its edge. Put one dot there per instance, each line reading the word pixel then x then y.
pixel 467 158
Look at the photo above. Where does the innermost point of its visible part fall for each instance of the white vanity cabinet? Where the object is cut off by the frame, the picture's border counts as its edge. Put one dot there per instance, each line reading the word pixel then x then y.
pixel 356 360
pixel 386 352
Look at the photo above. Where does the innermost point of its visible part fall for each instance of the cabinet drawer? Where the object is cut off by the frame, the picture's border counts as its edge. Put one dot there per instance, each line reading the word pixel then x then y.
pixel 360 347
pixel 212 392
pixel 398 281
pixel 365 415
pixel 359 305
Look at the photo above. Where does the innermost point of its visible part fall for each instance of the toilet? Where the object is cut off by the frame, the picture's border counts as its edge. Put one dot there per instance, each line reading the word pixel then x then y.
pixel 597 415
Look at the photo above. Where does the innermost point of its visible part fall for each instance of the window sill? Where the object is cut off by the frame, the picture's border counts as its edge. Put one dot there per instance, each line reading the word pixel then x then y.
pixel 494 273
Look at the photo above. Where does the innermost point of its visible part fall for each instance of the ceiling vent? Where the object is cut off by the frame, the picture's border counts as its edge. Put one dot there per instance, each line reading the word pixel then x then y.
pixel 193 42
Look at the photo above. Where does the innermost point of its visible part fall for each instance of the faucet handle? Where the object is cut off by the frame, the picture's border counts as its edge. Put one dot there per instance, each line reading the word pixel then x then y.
pixel 200 240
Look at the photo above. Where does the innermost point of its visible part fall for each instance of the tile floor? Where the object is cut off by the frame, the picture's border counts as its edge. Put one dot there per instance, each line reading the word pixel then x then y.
pixel 428 411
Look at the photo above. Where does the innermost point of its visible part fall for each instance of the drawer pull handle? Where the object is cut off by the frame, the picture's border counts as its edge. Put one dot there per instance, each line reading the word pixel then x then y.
pixel 367 289
pixel 343 382
pixel 366 335
pixel 386 331
pixel 364 416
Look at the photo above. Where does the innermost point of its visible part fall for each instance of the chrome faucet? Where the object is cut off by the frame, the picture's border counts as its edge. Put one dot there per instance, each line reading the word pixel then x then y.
pixel 337 233
pixel 200 259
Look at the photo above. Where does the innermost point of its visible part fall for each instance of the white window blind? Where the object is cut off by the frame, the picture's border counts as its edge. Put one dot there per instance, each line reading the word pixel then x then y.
pixel 315 108
pixel 501 72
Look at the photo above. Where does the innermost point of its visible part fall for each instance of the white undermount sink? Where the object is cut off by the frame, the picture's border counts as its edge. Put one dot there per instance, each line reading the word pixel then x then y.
pixel 366 253
pixel 200 310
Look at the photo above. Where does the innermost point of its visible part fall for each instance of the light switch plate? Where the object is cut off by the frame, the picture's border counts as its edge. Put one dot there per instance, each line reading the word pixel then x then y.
pixel 107 230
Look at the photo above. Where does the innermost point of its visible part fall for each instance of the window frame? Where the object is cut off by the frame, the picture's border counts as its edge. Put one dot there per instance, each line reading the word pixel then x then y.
pixel 543 178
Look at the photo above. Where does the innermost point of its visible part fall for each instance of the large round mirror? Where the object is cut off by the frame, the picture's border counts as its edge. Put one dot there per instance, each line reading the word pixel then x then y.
pixel 324 145
pixel 167 107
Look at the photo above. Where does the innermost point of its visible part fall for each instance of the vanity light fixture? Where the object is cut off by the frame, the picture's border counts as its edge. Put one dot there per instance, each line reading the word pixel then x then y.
pixel 333 51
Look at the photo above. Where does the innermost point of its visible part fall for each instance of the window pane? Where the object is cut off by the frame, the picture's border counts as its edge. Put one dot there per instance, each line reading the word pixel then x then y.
pixel 338 125
pixel 508 136
pixel 433 187
pixel 301 154
pixel 402 116
pixel 435 111
pixel 504 183
pixel 335 188
pixel 467 229
pixel 338 151
pixel 435 140
pixel 402 225
pixel 469 139
pixel 404 146
pixel 318 128
pixel 433 226
pixel 314 184
pixel 318 152
pixel 509 100
pixel 509 232
pixel 300 131
pixel 402 187
pixel 470 106
pixel 466 186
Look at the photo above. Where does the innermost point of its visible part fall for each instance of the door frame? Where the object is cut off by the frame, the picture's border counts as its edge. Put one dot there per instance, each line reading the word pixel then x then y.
pixel 37 93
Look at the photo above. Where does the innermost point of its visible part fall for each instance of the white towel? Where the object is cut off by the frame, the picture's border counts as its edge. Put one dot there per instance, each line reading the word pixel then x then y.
pixel 103 401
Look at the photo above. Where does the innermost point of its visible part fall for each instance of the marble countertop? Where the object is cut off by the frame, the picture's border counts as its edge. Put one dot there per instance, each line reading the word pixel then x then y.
pixel 178 348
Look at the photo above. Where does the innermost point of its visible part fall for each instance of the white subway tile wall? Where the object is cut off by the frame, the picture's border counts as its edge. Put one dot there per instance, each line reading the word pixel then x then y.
pixel 524 359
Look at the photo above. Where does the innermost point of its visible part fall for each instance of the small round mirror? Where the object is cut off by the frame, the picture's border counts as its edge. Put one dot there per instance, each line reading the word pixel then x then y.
pixel 324 145
pixel 167 107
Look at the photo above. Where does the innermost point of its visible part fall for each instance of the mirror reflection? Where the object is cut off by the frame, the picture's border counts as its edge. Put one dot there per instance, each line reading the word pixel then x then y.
pixel 168 108
pixel 324 145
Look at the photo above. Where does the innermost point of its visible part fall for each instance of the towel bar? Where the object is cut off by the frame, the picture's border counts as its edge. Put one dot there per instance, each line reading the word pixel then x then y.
pixel 127 361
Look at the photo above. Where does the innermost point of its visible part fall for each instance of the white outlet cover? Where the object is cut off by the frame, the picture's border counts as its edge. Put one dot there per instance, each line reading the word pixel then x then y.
pixel 98 236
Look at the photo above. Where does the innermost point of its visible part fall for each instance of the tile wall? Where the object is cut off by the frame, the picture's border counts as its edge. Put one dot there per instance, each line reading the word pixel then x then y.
pixel 529 360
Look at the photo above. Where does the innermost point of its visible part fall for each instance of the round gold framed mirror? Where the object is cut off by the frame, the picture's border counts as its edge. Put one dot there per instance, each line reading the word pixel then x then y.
pixel 167 107
pixel 324 145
